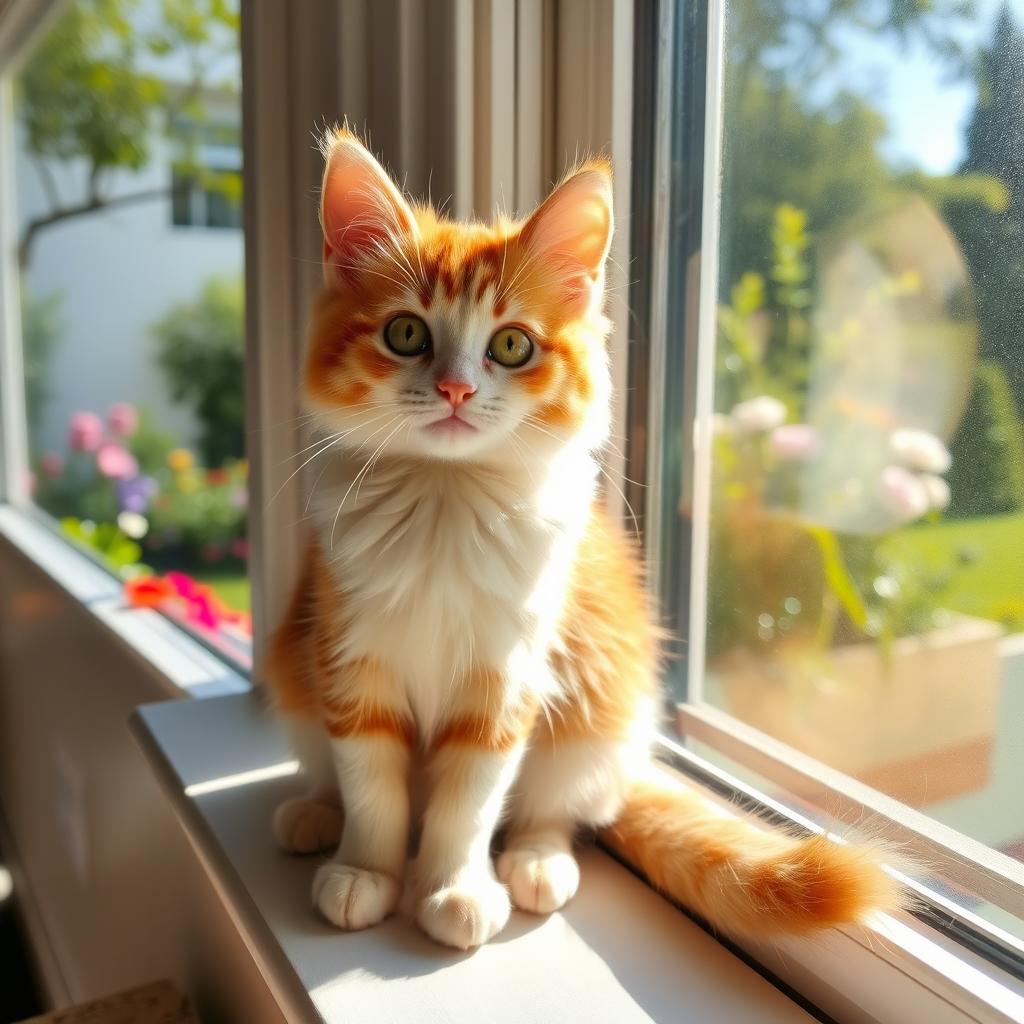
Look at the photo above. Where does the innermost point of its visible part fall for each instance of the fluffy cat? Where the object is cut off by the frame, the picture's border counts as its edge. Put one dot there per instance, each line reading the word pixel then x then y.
pixel 468 618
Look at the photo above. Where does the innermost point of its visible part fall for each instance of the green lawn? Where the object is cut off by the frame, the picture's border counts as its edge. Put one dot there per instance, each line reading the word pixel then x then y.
pixel 231 587
pixel 992 585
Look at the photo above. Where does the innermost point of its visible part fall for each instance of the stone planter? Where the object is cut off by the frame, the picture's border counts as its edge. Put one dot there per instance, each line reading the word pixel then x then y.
pixel 919 728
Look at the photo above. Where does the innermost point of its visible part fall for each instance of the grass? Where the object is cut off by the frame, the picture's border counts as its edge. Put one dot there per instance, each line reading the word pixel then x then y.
pixel 231 587
pixel 991 584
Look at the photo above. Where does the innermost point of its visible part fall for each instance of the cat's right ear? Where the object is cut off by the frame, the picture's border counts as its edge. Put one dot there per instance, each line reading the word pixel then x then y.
pixel 359 203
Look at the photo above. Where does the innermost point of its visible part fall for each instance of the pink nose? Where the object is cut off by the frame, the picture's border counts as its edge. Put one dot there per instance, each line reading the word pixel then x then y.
pixel 456 391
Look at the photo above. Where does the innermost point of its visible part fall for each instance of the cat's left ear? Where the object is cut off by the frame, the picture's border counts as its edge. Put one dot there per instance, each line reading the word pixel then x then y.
pixel 572 230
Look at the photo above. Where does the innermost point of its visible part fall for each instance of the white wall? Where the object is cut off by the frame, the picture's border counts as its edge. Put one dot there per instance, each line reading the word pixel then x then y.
pixel 119 271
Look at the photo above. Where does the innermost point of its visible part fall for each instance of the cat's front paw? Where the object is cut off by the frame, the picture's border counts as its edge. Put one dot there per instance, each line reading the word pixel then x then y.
pixel 353 898
pixel 302 825
pixel 467 913
pixel 540 880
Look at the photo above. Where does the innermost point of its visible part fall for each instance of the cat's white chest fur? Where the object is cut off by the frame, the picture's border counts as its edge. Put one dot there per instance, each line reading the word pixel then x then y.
pixel 448 567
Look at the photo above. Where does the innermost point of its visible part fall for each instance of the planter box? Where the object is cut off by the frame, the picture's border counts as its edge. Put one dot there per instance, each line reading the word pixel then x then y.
pixel 919 728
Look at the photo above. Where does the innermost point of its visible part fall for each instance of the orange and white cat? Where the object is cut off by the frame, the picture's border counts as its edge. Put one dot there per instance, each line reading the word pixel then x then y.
pixel 468 618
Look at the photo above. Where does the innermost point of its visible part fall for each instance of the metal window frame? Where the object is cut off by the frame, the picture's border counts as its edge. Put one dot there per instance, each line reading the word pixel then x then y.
pixel 987 873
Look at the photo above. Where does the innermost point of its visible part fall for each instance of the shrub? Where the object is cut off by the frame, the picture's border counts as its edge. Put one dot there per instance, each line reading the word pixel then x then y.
pixel 200 349
pixel 987 477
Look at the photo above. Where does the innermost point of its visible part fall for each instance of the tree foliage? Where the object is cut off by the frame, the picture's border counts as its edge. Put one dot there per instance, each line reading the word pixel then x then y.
pixel 987 476
pixel 103 81
pixel 200 349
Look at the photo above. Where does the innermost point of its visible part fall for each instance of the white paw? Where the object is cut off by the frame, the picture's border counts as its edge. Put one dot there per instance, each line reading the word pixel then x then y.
pixel 465 914
pixel 540 880
pixel 307 826
pixel 352 898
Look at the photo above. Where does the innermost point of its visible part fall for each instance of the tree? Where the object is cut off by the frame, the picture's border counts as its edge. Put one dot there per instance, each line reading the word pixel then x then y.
pixel 992 234
pixel 99 84
pixel 987 475
pixel 200 348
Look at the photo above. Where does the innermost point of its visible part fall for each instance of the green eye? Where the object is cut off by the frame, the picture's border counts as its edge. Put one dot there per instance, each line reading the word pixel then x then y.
pixel 407 336
pixel 510 347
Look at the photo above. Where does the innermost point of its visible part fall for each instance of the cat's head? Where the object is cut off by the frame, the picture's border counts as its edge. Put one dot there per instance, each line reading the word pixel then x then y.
pixel 455 340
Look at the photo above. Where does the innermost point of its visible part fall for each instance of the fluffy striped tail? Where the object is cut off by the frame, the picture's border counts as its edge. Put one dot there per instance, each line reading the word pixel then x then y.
pixel 742 879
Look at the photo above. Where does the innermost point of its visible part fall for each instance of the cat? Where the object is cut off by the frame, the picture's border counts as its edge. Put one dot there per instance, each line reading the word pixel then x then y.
pixel 468 618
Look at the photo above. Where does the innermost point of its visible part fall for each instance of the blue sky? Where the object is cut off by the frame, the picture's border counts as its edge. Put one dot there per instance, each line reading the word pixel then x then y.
pixel 926 110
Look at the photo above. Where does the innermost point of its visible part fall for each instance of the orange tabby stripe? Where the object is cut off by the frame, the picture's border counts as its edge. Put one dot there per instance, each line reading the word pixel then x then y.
pixel 364 717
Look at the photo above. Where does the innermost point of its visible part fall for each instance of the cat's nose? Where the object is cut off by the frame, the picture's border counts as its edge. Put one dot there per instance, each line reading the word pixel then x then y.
pixel 456 391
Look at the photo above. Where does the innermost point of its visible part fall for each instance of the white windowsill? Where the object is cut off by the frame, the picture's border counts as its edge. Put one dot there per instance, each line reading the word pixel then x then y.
pixel 617 953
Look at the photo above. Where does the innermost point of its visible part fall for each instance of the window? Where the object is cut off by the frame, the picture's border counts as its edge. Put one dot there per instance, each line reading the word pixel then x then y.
pixel 838 338
pixel 133 333
pixel 206 180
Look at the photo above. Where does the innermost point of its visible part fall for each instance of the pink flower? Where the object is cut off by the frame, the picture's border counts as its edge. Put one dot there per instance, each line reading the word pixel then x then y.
pixel 240 548
pixel 904 494
pixel 85 433
pixel 795 442
pixel 51 464
pixel 116 462
pixel 123 419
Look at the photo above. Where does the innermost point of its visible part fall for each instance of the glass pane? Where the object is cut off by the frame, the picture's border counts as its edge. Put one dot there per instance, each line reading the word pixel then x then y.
pixel 133 331
pixel 865 585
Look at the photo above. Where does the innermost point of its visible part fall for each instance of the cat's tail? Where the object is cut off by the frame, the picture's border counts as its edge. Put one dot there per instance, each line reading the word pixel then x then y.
pixel 742 879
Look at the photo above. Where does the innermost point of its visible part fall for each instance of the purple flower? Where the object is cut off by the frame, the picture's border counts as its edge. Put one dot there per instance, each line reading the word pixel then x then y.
pixel 134 495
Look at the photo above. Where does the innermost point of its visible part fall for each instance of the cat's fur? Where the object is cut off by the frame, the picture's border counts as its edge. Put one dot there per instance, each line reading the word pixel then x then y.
pixel 468 618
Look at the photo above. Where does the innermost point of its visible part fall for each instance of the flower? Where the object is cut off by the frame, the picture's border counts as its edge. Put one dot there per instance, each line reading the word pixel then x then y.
pixel 51 464
pixel 938 490
pixel 795 442
pixel 240 548
pixel 149 591
pixel 133 525
pixel 115 461
pixel 240 497
pixel 134 494
pixel 85 433
pixel 758 415
pixel 212 552
pixel 123 419
pixel 904 493
pixel 918 449
pixel 180 460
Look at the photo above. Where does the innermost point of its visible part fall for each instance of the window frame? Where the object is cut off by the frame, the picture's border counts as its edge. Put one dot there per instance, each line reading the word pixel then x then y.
pixel 986 872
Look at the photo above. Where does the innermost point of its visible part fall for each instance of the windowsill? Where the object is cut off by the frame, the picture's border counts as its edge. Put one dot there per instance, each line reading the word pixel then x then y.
pixel 618 952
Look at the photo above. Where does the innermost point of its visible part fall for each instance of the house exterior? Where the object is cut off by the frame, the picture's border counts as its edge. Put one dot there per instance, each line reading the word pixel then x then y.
pixel 119 270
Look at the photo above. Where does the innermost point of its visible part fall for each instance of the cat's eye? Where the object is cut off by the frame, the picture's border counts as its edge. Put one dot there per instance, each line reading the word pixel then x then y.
pixel 407 336
pixel 510 347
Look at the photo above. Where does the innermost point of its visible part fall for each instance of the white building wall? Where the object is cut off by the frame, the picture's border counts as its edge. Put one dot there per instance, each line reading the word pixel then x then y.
pixel 119 271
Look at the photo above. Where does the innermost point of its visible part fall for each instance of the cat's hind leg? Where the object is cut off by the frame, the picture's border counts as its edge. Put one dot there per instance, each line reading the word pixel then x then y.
pixel 562 786
pixel 313 822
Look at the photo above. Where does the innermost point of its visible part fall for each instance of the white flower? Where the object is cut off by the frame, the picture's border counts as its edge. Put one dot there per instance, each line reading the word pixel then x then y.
pixel 918 449
pixel 795 442
pixel 758 415
pixel 721 425
pixel 938 490
pixel 904 493
pixel 132 524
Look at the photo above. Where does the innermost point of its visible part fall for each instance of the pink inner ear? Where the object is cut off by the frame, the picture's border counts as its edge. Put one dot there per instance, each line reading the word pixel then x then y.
pixel 358 204
pixel 573 226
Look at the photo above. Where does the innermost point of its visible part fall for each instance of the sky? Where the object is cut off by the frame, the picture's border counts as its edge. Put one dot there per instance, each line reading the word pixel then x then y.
pixel 927 111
